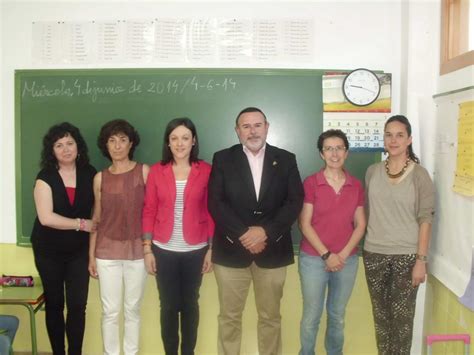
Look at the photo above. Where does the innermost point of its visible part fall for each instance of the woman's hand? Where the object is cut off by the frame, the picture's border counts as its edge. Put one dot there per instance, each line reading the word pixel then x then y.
pixel 95 225
pixel 207 264
pixel 87 225
pixel 93 268
pixel 343 255
pixel 418 274
pixel 334 263
pixel 150 263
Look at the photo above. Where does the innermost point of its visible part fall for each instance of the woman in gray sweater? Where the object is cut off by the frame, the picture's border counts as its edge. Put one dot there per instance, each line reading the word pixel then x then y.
pixel 400 206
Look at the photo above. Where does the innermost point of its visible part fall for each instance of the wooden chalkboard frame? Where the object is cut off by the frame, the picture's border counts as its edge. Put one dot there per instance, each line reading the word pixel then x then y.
pixel 359 158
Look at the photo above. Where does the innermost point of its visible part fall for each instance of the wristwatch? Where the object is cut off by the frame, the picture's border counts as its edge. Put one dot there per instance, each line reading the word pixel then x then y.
pixel 325 256
pixel 423 258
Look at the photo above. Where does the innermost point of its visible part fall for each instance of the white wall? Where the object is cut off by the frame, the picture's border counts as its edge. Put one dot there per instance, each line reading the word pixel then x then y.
pixel 453 245
pixel 396 36
pixel 422 68
pixel 2 127
pixel 420 23
pixel 347 35
pixel 453 233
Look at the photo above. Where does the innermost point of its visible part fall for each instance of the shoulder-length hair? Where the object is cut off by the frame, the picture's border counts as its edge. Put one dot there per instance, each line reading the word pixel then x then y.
pixel 167 155
pixel 61 130
pixel 116 127
pixel 404 121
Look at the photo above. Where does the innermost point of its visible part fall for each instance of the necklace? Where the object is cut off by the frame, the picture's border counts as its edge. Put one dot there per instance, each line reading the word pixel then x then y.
pixel 400 173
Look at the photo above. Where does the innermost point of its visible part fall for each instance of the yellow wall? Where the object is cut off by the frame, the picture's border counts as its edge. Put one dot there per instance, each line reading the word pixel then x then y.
pixel 359 325
pixel 444 314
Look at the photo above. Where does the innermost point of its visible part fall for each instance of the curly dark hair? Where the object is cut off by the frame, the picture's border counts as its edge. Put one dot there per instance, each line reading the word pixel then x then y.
pixel 61 130
pixel 116 127
pixel 332 133
pixel 167 155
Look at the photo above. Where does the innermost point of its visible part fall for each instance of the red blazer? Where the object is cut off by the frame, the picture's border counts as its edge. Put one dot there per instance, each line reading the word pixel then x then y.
pixel 160 197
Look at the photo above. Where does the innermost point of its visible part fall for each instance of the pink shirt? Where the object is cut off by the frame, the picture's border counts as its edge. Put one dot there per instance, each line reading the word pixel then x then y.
pixel 333 214
pixel 256 166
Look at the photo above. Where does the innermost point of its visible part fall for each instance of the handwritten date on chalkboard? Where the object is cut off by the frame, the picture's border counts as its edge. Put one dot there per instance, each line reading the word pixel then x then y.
pixel 35 89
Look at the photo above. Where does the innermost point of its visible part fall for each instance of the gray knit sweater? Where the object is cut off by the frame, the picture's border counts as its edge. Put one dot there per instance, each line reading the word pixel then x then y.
pixel 395 211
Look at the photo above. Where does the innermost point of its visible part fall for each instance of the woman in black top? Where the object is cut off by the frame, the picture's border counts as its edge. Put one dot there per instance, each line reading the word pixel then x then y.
pixel 64 198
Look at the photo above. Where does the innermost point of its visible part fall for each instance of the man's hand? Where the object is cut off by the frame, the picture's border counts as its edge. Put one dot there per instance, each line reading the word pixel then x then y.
pixel 258 248
pixel 254 239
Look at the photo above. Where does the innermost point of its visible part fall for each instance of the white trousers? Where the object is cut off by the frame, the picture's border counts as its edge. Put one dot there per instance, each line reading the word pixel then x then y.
pixel 117 278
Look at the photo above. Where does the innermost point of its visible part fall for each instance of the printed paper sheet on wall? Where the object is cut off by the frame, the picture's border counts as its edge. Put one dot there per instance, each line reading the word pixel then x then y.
pixel 464 174
pixel 200 41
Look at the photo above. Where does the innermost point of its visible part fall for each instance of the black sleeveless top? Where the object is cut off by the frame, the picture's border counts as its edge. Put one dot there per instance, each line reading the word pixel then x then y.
pixel 50 240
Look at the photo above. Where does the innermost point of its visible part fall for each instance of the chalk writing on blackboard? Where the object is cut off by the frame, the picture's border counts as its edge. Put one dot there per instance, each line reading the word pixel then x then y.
pixel 94 90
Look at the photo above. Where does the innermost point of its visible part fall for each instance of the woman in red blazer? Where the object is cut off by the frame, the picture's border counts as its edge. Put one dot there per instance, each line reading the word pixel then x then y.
pixel 177 232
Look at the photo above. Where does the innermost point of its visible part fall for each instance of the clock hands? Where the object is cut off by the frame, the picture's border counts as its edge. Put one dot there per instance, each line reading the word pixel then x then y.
pixel 361 87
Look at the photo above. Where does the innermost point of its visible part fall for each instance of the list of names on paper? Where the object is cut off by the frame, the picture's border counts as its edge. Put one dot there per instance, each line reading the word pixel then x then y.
pixel 204 41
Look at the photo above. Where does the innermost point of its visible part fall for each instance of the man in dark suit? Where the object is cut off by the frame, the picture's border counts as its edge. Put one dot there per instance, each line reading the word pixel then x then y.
pixel 255 195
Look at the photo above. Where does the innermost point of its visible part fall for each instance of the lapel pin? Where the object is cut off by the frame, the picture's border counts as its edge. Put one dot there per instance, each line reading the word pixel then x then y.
pixel 275 163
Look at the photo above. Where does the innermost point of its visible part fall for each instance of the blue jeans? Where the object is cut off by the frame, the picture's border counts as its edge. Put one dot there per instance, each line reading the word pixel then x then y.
pixel 314 282
pixel 8 328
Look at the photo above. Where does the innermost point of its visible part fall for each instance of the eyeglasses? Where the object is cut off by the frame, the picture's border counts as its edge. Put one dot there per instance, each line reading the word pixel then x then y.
pixel 336 149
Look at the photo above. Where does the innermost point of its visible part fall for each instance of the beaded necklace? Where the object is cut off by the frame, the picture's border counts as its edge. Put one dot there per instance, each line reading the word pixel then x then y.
pixel 400 173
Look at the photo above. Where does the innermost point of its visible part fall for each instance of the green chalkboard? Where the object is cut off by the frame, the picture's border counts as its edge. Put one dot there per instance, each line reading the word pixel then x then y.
pixel 149 98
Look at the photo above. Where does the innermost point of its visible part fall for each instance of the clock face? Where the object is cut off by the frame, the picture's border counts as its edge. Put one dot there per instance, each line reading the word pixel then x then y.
pixel 361 87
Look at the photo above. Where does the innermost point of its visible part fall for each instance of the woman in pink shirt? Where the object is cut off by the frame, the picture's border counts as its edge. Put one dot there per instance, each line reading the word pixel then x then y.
pixel 332 222
pixel 177 232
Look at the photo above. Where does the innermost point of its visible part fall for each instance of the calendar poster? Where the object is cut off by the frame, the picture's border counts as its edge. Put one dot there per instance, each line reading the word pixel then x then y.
pixel 364 130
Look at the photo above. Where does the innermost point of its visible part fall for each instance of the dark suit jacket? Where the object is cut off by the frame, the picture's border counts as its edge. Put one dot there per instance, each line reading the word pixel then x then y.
pixel 234 206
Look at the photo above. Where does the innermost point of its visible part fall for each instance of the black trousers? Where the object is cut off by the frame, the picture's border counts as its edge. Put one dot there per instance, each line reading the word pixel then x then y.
pixel 178 279
pixel 64 274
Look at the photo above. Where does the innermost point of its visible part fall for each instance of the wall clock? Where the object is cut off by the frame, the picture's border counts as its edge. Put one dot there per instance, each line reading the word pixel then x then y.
pixel 361 87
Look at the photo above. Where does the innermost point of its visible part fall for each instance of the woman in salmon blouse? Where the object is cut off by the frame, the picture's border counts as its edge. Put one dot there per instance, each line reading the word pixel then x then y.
pixel 116 253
